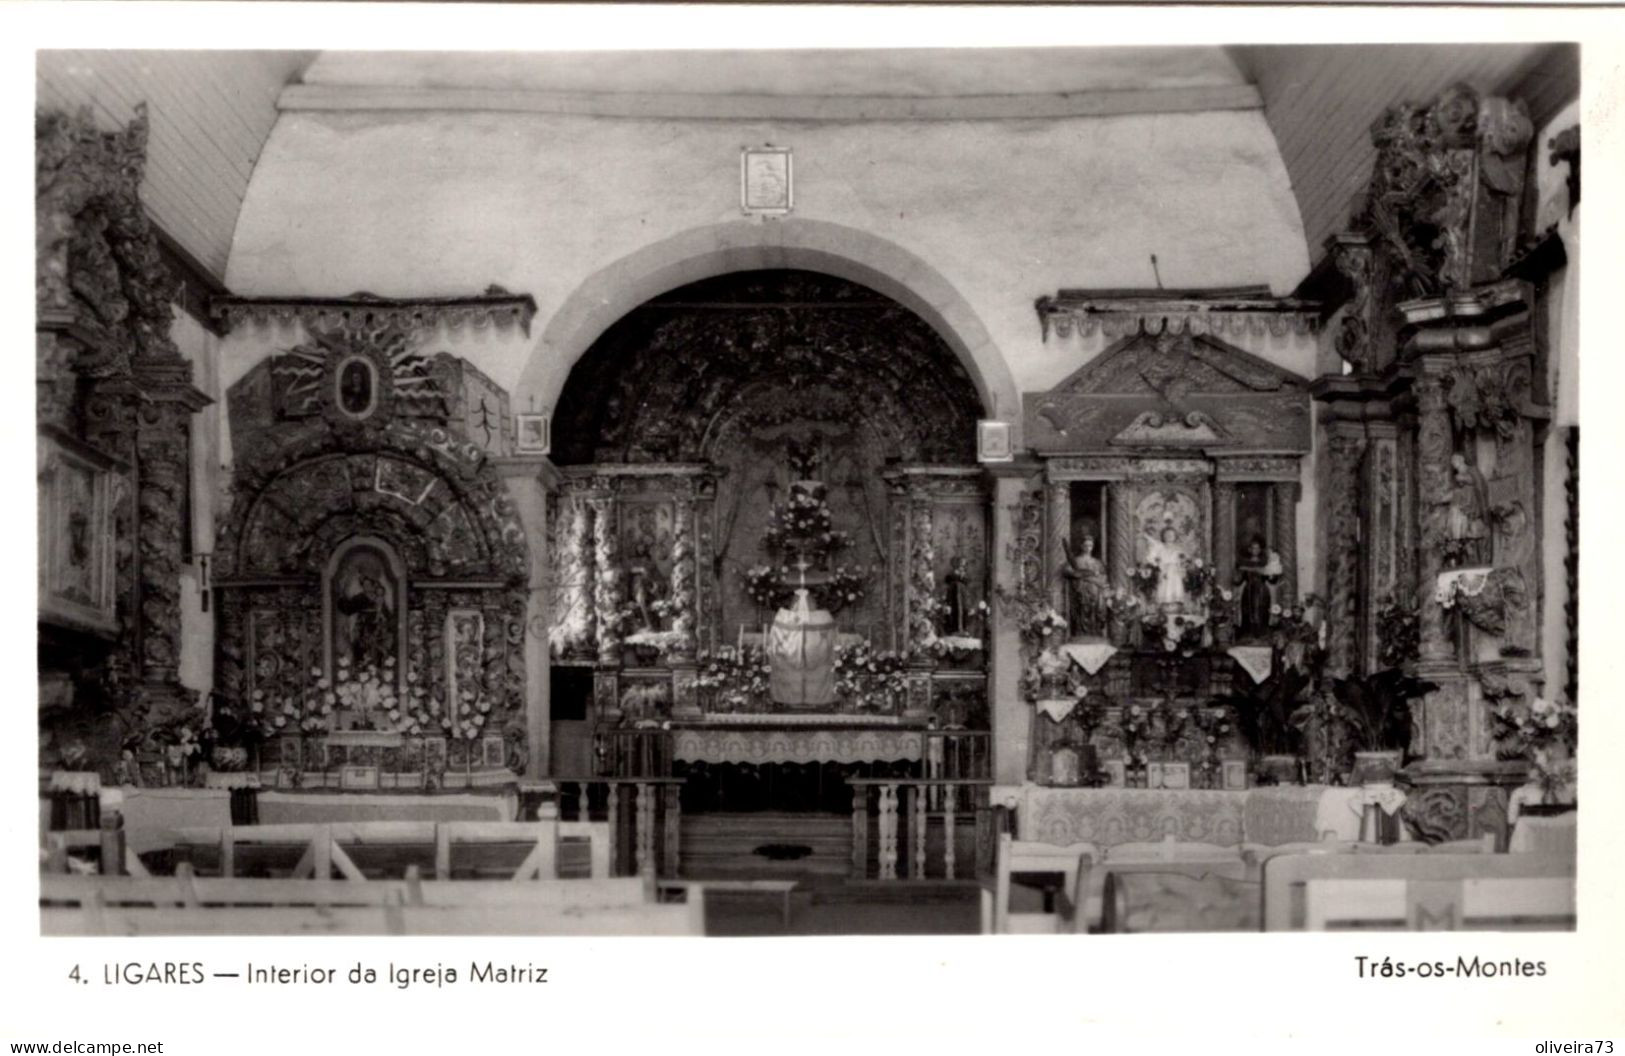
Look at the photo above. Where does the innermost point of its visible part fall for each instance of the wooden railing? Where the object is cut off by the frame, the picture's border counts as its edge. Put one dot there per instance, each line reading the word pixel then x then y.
pixel 633 752
pixel 958 755
pixel 907 814
pixel 644 815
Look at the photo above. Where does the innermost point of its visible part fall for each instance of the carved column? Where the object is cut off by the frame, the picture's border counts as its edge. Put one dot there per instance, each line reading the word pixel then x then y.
pixel 530 481
pixel 1340 502
pixel 1286 538
pixel 922 575
pixel 1224 531
pixel 1120 541
pixel 578 630
pixel 606 577
pixel 1433 448
pixel 683 595
pixel 1058 532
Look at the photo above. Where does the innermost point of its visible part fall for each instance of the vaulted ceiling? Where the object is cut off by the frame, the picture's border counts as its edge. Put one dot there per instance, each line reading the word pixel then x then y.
pixel 212 111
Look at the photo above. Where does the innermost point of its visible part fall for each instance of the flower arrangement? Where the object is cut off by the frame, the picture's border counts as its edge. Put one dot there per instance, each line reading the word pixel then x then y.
pixel 369 690
pixel 844 586
pixel 1213 728
pixel 1544 734
pixel 647 700
pixel 1398 635
pixel 768 586
pixel 868 677
pixel 1133 727
pixel 804 522
pixel 1199 576
pixel 1167 724
pixel 736 678
pixel 467 720
pixel 1145 577
pixel 418 712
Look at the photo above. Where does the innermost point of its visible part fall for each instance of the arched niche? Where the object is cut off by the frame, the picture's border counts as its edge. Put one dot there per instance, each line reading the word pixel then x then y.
pixel 364 609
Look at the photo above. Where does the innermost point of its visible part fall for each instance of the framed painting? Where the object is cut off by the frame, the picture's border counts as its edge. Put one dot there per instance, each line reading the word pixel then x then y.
pixel 765 180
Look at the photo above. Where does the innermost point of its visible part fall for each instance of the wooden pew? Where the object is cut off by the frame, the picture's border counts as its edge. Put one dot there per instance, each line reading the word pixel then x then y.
pixel 1502 904
pixel 183 904
pixel 1073 862
pixel 485 849
pixel 59 846
pixel 1286 877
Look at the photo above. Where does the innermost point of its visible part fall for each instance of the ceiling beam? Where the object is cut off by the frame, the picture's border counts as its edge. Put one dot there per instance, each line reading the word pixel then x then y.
pixel 712 107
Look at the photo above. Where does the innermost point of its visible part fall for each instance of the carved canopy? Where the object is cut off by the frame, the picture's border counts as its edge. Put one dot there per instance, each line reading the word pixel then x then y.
pixel 664 383
pixel 1174 391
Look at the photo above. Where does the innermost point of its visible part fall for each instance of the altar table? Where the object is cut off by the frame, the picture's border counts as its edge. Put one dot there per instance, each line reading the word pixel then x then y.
pixel 759 746
pixel 1106 817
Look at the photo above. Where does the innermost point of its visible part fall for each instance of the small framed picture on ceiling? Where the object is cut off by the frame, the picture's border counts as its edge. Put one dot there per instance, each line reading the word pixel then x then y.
pixel 533 434
pixel 993 443
pixel 765 180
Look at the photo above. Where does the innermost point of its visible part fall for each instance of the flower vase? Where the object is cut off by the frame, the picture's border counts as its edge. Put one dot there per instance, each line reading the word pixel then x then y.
pixel 1375 768
pixel 1279 769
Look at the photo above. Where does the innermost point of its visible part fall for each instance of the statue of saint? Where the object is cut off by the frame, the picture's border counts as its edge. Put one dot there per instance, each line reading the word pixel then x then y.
pixel 956 600
pixel 1166 553
pixel 365 610
pixel 1469 533
pixel 645 588
pixel 1086 587
pixel 1259 570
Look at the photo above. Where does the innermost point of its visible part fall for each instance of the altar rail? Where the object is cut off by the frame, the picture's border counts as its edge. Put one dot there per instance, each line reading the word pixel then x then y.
pixel 634 752
pixel 958 755
pixel 644 815
pixel 917 827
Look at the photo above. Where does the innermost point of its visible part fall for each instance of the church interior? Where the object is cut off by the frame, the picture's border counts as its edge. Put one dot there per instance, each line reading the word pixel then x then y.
pixel 1088 490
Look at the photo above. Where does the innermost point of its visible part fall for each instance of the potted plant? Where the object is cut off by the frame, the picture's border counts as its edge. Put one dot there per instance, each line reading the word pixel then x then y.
pixel 1265 714
pixel 1544 735
pixel 1376 711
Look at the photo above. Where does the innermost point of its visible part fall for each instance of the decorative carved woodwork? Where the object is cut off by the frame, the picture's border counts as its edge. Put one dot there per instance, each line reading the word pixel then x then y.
pixel 1565 150
pixel 112 387
pixel 778 348
pixel 1249 310
pixel 360 438
pixel 1445 190
pixel 1171 390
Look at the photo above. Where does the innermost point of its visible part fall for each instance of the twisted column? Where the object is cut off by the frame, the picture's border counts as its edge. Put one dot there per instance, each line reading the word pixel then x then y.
pixel 1224 531
pixel 578 619
pixel 606 578
pixel 682 578
pixel 1120 534
pixel 1433 449
pixel 1286 537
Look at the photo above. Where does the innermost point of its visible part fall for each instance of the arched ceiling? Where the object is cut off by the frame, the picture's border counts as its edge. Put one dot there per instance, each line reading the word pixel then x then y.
pixel 212 111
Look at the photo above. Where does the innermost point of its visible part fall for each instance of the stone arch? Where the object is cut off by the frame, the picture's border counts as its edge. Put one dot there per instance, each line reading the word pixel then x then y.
pixel 742 245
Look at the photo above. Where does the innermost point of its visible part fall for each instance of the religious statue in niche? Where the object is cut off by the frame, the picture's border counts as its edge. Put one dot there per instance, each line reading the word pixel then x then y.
pixel 356 387
pixel 1467 544
pixel 1258 572
pixel 1086 585
pixel 956 598
pixel 364 610
pixel 1167 556
pixel 647 588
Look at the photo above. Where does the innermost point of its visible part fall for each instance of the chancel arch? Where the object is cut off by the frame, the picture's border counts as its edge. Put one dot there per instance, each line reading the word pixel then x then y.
pixel 821 246
pixel 729 444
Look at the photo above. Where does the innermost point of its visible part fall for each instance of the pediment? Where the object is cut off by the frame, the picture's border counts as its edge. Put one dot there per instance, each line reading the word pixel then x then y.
pixel 1171 390
pixel 1160 363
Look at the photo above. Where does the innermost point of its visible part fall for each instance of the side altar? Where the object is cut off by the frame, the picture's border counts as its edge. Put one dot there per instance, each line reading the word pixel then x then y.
pixel 1157 589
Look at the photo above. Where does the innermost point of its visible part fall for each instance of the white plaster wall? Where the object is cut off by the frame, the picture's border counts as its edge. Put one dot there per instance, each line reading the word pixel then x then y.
pixel 998 212
pixel 199 346
pixel 1563 346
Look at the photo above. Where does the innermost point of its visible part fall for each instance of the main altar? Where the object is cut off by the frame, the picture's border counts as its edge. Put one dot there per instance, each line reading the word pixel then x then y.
pixel 771 547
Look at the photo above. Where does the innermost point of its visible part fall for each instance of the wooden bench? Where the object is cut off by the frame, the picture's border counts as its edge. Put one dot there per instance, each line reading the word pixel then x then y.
pixel 184 904
pixel 1509 904
pixel 1072 862
pixel 706 888
pixel 484 849
pixel 1286 877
